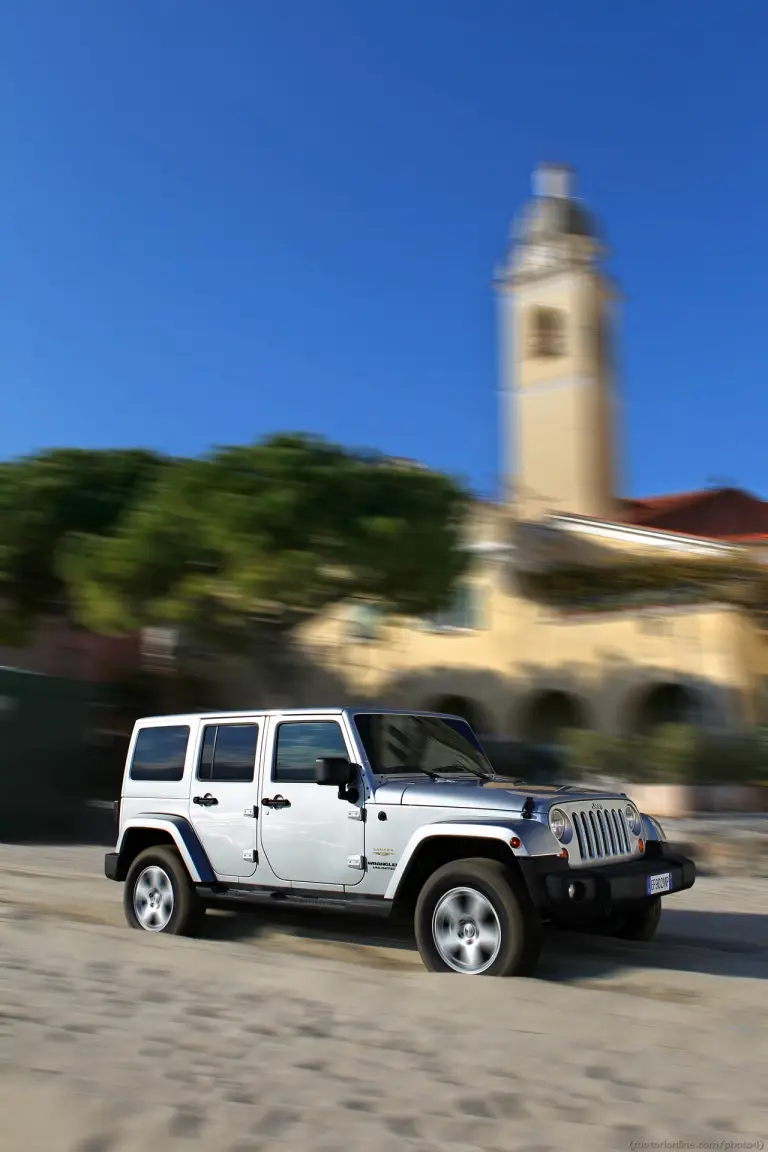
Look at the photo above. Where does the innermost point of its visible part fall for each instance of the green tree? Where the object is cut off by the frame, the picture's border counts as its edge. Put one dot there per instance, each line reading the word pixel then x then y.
pixel 248 542
pixel 44 501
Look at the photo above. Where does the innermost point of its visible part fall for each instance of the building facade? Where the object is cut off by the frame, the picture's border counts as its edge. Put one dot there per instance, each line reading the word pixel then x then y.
pixel 580 607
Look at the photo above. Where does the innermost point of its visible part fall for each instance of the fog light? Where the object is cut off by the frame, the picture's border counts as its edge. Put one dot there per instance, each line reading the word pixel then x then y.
pixel 576 891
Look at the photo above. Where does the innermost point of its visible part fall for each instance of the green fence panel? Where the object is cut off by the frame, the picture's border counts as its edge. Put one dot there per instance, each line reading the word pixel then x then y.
pixel 44 754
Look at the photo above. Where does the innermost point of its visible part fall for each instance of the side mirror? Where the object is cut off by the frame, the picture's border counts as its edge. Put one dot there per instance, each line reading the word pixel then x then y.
pixel 335 771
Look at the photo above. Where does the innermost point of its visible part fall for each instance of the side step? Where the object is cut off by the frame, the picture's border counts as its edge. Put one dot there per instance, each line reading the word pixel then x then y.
pixel 327 901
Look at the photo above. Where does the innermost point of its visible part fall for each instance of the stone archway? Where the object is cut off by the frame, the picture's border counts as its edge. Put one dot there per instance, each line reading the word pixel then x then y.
pixel 670 703
pixel 549 715
pixel 469 710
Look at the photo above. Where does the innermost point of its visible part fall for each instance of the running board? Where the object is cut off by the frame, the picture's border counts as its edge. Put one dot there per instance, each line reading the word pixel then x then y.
pixel 330 902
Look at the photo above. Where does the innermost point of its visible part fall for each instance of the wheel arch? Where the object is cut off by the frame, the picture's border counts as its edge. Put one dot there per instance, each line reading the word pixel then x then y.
pixel 141 833
pixel 652 829
pixel 433 851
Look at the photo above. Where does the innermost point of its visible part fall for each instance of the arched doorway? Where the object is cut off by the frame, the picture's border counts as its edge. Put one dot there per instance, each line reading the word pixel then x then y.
pixel 549 715
pixel 469 710
pixel 666 704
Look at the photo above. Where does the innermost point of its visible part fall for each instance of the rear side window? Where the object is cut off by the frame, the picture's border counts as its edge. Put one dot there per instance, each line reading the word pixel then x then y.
pixel 228 753
pixel 159 753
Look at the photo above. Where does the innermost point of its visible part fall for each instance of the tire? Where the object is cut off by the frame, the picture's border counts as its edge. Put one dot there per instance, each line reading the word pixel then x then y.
pixel 641 923
pixel 637 924
pixel 472 917
pixel 159 875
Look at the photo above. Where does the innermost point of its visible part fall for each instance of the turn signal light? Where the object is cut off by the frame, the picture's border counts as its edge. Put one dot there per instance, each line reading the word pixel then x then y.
pixel 515 842
pixel 641 846
pixel 564 854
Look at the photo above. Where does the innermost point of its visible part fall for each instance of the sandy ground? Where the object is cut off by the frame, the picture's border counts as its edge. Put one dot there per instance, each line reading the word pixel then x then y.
pixel 295 1031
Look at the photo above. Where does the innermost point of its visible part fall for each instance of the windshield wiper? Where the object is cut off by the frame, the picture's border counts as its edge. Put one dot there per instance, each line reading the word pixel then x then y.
pixel 437 773
pixel 406 769
pixel 453 769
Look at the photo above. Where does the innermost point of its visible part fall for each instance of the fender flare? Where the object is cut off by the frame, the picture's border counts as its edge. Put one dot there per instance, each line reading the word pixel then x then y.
pixel 184 837
pixel 535 840
pixel 651 828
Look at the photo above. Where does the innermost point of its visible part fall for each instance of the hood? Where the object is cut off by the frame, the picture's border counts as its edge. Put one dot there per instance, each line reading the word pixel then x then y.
pixel 493 795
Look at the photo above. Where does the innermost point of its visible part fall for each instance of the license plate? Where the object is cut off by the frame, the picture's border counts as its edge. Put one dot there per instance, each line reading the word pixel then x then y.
pixel 661 883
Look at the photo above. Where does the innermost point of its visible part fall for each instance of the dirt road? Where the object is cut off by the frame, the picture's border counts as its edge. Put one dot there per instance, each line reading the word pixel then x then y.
pixel 289 1031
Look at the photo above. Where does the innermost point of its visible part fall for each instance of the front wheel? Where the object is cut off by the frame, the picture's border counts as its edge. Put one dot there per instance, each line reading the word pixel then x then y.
pixel 637 924
pixel 641 923
pixel 472 918
pixel 159 895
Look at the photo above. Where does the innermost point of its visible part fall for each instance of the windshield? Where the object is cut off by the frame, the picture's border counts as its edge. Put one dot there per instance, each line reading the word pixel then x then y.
pixel 398 744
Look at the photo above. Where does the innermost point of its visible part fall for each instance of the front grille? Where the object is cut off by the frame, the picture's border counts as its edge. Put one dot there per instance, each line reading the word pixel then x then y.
pixel 601 833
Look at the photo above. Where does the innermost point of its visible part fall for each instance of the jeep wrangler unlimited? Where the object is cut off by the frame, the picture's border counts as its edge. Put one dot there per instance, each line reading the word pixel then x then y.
pixel 389 811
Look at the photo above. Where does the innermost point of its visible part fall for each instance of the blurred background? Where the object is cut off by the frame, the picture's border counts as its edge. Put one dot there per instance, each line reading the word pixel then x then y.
pixel 514 260
pixel 389 354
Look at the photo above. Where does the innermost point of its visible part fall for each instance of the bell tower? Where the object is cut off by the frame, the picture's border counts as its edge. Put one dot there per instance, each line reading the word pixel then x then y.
pixel 555 317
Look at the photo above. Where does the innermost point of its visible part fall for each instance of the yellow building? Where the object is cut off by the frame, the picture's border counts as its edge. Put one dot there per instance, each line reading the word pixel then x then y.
pixel 579 607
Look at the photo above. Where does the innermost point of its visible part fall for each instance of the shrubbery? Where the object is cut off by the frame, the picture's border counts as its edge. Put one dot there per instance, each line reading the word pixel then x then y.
pixel 672 754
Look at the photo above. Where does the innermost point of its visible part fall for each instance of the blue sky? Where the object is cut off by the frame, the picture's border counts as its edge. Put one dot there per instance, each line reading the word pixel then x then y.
pixel 220 219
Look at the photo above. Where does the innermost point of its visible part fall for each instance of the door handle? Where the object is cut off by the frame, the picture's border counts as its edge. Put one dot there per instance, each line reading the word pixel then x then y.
pixel 276 802
pixel 206 800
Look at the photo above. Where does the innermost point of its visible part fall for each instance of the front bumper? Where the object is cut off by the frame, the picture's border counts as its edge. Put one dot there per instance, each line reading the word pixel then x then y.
pixel 584 893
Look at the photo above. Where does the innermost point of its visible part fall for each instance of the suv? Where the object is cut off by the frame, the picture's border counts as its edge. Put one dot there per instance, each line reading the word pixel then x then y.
pixel 390 811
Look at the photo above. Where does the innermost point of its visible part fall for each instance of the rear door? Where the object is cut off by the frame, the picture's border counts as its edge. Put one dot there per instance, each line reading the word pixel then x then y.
pixel 223 801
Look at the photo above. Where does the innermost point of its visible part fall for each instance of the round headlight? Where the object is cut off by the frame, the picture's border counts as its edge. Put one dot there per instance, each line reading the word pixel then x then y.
pixel 633 819
pixel 560 825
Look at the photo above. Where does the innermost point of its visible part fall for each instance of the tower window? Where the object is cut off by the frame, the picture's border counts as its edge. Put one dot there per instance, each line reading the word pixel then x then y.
pixel 546 332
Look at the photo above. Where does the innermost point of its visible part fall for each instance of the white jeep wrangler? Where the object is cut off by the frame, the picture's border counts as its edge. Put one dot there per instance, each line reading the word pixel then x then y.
pixel 383 810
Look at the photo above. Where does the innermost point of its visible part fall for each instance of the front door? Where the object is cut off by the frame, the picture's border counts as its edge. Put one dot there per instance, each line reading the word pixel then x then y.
pixel 309 835
pixel 223 795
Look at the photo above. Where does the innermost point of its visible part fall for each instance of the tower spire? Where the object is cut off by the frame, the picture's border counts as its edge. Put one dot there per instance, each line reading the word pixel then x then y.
pixel 553 181
pixel 557 393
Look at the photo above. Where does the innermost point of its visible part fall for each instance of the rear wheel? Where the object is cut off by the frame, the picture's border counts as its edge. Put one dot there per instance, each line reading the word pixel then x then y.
pixel 159 895
pixel 472 918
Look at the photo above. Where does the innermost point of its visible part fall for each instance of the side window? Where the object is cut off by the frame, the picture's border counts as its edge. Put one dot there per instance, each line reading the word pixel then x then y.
pixel 465 610
pixel 299 743
pixel 159 753
pixel 228 753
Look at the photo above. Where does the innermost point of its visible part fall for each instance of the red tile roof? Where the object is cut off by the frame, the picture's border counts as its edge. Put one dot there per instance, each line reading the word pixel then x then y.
pixel 747 538
pixel 715 513
pixel 660 504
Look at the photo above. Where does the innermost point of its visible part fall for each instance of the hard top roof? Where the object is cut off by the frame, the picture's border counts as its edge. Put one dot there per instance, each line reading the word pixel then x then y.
pixel 290 713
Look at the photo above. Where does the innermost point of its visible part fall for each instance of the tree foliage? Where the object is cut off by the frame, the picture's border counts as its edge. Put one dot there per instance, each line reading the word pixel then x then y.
pixel 44 500
pixel 241 539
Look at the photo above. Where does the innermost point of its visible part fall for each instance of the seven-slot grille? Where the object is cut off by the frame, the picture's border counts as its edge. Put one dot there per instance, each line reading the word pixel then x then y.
pixel 601 833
